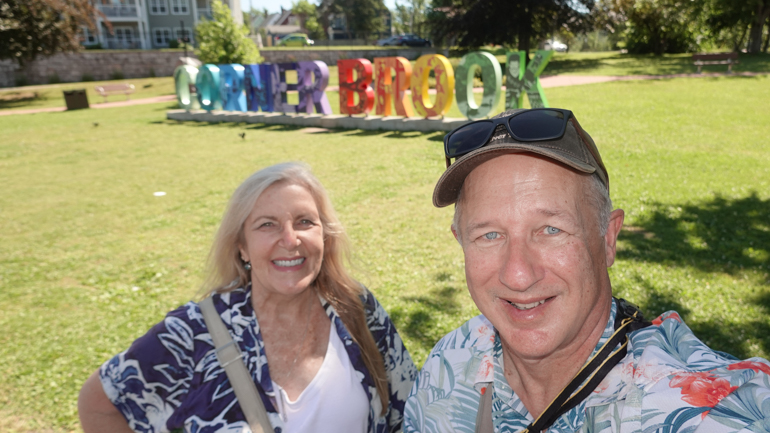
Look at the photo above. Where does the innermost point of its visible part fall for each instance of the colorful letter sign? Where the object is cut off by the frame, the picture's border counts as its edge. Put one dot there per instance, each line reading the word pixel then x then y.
pixel 312 79
pixel 258 96
pixel 359 86
pixel 281 87
pixel 184 82
pixel 207 83
pixel 520 80
pixel 231 87
pixel 266 86
pixel 387 86
pixel 445 85
pixel 492 77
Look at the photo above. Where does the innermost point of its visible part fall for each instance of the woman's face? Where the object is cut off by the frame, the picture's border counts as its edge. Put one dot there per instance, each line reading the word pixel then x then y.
pixel 283 240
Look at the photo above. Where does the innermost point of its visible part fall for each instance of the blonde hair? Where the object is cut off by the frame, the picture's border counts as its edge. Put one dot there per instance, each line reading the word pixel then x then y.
pixel 226 272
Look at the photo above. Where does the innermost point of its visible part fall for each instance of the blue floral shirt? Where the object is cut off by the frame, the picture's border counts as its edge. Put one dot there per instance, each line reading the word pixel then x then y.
pixel 669 382
pixel 170 378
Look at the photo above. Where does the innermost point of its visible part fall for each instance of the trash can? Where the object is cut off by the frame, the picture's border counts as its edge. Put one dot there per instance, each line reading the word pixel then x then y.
pixel 76 99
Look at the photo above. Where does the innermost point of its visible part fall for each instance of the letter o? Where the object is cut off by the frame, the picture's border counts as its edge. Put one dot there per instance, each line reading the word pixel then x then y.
pixel 491 75
pixel 207 83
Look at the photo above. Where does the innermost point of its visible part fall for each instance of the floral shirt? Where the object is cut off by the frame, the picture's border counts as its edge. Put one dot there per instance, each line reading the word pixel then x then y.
pixel 170 377
pixel 669 381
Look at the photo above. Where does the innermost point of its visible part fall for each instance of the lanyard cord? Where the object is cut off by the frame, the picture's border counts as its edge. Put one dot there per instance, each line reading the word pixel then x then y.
pixel 628 319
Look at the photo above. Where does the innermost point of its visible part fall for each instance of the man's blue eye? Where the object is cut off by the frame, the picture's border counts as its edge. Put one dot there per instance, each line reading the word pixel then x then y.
pixel 491 235
pixel 552 230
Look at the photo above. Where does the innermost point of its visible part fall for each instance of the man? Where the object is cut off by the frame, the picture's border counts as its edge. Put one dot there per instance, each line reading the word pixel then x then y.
pixel 537 229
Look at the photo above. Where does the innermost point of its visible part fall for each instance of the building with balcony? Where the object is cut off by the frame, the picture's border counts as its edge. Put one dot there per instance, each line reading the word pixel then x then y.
pixel 150 24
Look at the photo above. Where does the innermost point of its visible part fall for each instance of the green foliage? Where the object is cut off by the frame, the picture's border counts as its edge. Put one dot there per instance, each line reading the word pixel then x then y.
pixel 474 23
pixel 117 75
pixel 31 28
pixel 87 77
pixel 308 14
pixel 411 18
pixel 660 26
pixel 223 41
pixel 364 17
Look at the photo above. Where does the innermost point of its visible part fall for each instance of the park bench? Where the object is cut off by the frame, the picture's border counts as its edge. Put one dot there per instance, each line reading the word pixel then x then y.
pixel 111 89
pixel 715 59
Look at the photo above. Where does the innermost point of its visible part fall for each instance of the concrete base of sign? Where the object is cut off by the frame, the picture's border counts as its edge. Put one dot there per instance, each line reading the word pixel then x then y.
pixel 389 123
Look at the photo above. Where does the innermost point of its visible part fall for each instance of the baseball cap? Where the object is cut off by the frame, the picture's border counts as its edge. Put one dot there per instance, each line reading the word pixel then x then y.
pixel 575 149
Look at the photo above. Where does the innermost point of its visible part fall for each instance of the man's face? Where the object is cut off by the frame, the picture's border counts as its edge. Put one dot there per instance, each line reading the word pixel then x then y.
pixel 535 260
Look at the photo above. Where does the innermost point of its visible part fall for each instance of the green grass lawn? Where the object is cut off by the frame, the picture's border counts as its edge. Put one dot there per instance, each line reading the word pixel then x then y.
pixel 51 95
pixel 90 258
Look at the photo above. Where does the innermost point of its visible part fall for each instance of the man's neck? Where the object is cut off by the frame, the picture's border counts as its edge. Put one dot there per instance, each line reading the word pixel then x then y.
pixel 537 382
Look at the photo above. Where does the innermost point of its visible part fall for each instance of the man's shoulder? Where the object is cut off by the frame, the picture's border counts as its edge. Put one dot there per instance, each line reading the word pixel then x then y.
pixel 476 334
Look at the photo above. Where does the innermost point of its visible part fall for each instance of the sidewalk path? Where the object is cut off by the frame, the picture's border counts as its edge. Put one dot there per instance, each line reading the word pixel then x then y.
pixel 546 82
pixel 164 98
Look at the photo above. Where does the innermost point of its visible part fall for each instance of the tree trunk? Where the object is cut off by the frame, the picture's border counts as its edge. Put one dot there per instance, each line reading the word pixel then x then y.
pixel 739 42
pixel 767 38
pixel 757 25
pixel 524 35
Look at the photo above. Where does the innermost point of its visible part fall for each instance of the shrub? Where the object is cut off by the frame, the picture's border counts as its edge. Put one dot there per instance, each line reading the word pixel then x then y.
pixel 87 77
pixel 54 79
pixel 117 75
pixel 174 43
pixel 223 41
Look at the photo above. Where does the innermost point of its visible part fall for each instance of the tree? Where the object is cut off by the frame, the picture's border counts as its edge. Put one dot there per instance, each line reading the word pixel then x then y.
pixel 652 26
pixel 224 41
pixel 411 18
pixel 363 17
pixel 474 23
pixel 308 15
pixel 31 28
pixel 738 17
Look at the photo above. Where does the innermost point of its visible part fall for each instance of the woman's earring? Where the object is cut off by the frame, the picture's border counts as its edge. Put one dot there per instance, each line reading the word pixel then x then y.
pixel 247 266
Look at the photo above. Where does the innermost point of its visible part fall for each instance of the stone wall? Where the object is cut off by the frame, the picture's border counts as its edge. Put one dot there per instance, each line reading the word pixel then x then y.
pixel 330 57
pixel 100 65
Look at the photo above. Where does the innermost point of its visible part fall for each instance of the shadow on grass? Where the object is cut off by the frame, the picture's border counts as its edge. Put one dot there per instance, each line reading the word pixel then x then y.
pixel 418 320
pixel 721 235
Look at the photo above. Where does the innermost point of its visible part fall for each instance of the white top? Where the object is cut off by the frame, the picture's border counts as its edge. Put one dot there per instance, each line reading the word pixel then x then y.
pixel 333 402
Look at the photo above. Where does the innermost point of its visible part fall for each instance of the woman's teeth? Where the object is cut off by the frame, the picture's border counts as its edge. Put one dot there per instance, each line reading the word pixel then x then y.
pixel 527 306
pixel 289 263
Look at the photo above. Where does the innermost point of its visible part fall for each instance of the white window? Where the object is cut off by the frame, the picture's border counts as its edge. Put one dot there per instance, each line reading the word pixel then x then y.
pixel 124 34
pixel 180 35
pixel 180 7
pixel 161 36
pixel 158 7
pixel 89 38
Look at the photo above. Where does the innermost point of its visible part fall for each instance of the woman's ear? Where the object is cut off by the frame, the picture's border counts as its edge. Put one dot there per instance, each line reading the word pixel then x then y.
pixel 244 254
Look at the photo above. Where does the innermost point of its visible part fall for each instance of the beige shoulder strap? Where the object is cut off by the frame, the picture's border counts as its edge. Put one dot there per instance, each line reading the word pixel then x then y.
pixel 484 415
pixel 231 359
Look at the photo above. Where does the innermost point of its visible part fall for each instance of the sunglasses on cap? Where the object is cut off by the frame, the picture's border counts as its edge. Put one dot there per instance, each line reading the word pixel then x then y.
pixel 537 124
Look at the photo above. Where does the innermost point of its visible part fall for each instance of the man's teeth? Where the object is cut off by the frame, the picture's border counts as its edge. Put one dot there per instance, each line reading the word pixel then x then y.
pixel 527 306
pixel 289 263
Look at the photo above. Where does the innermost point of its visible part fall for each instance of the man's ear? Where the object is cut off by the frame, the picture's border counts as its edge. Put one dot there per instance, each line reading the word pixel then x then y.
pixel 456 234
pixel 611 237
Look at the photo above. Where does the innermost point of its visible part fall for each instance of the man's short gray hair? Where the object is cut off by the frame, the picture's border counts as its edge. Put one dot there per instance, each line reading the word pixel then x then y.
pixel 597 194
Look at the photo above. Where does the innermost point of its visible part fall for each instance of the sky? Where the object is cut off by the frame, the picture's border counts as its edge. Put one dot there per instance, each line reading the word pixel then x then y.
pixel 275 5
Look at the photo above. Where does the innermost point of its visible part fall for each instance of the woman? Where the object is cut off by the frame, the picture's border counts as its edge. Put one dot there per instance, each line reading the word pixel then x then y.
pixel 322 351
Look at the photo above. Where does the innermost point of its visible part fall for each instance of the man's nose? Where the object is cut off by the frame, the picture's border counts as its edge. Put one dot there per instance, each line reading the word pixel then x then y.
pixel 520 269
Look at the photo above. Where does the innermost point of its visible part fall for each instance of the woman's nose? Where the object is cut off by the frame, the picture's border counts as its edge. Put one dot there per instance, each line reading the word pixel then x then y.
pixel 289 238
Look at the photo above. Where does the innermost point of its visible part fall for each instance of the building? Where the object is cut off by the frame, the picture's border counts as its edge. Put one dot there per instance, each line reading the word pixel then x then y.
pixel 276 25
pixel 150 24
